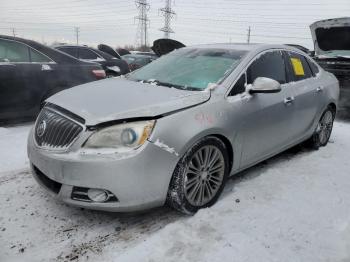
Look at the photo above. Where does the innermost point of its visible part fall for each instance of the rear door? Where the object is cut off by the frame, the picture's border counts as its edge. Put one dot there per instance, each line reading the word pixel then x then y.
pixel 307 93
pixel 18 79
pixel 49 75
pixel 267 117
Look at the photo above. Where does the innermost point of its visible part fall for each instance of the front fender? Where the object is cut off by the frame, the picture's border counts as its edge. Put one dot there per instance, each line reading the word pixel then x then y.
pixel 177 133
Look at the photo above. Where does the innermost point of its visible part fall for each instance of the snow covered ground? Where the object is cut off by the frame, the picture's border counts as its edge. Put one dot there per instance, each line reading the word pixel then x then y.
pixel 294 207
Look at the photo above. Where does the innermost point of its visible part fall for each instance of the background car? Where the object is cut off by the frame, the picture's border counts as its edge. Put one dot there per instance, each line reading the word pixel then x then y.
pixel 112 65
pixel 175 130
pixel 331 38
pixel 31 72
pixel 136 61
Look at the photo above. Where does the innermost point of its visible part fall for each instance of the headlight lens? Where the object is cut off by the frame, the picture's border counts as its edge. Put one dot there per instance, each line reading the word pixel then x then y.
pixel 122 136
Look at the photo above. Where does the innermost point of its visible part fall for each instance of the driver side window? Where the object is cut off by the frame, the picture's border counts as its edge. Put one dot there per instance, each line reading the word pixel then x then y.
pixel 271 65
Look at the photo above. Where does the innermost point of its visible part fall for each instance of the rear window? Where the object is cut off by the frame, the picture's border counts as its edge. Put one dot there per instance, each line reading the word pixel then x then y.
pixel 314 67
pixel 87 54
pixel 38 57
pixel 70 51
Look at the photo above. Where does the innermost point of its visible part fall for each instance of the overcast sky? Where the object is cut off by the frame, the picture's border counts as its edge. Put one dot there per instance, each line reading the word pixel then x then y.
pixel 198 21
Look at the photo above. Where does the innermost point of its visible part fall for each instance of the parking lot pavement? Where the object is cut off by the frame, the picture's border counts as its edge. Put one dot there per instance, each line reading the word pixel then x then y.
pixel 294 207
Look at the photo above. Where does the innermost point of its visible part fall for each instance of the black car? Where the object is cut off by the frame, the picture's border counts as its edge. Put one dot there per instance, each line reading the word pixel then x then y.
pixel 137 61
pixel 114 66
pixel 31 72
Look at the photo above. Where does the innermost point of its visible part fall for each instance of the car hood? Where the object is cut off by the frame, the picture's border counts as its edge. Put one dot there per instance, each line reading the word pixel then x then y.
pixel 331 34
pixel 163 46
pixel 109 50
pixel 117 98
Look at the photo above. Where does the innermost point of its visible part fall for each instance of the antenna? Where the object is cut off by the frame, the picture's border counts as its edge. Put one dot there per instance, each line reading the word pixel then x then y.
pixel 168 14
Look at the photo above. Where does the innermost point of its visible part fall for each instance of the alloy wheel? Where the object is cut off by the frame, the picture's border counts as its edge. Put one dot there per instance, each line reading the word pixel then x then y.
pixel 324 128
pixel 204 175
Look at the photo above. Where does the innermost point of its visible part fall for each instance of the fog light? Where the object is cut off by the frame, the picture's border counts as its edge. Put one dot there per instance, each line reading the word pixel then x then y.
pixel 98 195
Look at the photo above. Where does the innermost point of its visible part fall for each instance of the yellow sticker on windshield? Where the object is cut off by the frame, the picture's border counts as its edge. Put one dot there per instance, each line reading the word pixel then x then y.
pixel 297 66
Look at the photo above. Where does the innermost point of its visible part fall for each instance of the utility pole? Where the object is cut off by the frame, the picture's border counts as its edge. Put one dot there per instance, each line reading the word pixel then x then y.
pixel 141 34
pixel 77 31
pixel 168 14
pixel 248 36
pixel 14 32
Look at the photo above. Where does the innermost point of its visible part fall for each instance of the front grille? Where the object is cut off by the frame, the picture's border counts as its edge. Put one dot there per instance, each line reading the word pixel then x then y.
pixel 54 130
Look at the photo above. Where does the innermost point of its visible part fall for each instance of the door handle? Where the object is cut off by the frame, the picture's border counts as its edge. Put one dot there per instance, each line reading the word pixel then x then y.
pixel 289 100
pixel 319 89
pixel 45 67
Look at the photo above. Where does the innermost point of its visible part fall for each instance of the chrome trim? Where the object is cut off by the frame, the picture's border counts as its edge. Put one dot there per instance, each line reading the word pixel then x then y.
pixel 66 148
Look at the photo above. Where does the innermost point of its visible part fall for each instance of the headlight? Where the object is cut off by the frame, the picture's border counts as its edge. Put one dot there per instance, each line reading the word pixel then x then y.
pixel 123 136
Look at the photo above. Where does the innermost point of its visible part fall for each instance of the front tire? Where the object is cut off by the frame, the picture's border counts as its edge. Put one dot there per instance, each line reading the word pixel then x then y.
pixel 199 177
pixel 323 130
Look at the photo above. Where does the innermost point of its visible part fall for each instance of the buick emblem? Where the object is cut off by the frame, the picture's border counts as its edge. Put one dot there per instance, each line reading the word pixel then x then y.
pixel 40 130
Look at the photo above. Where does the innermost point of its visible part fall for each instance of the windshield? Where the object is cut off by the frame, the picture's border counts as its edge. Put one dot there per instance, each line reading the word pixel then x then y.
pixel 190 68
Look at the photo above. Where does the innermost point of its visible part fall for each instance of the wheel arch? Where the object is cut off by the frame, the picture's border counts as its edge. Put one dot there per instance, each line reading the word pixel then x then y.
pixel 228 146
pixel 333 106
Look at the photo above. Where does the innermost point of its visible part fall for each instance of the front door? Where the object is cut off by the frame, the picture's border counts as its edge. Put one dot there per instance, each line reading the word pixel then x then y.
pixel 267 121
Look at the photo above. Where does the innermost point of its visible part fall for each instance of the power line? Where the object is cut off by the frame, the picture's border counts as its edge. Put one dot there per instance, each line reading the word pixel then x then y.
pixel 141 34
pixel 168 14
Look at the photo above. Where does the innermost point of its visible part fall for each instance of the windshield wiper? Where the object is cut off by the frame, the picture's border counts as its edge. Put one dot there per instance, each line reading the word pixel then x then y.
pixel 170 85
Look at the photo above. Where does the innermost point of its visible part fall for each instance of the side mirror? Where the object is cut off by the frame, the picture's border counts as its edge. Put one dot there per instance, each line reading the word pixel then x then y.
pixel 265 85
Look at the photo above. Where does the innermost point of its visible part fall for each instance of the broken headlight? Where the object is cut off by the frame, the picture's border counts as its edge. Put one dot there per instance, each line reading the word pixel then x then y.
pixel 123 136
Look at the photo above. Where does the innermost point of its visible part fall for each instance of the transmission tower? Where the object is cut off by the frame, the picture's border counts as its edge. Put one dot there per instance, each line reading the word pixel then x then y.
pixel 168 14
pixel 143 22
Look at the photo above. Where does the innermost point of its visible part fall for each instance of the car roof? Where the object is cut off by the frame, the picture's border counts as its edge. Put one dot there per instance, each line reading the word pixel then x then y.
pixel 252 48
pixel 242 46
pixel 103 54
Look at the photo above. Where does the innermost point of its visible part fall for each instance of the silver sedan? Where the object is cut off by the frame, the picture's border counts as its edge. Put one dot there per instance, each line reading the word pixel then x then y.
pixel 175 130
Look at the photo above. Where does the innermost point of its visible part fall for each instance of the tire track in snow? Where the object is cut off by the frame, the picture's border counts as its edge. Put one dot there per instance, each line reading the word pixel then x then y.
pixel 13 175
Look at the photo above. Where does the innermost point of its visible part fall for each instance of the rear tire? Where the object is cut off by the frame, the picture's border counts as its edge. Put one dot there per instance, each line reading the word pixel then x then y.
pixel 323 130
pixel 199 177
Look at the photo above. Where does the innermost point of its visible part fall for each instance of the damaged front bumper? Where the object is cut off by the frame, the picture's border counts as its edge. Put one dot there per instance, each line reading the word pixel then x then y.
pixel 135 182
